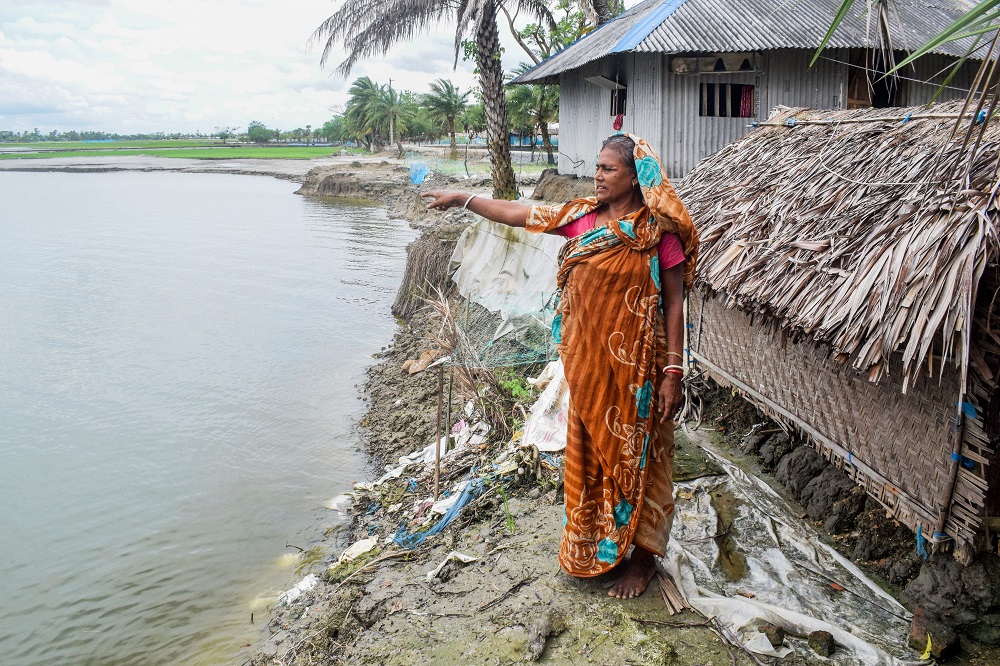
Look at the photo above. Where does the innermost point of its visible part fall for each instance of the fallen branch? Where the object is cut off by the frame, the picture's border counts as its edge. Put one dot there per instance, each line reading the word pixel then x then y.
pixel 373 563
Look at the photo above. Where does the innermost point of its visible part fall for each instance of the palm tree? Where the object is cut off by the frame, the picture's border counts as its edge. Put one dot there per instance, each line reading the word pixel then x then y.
pixel 371 27
pixel 537 103
pixel 391 109
pixel 364 94
pixel 447 104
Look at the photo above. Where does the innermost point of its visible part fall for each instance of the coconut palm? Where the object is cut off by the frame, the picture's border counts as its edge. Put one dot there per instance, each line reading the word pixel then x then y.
pixel 446 103
pixel 538 104
pixel 358 115
pixel 391 110
pixel 368 28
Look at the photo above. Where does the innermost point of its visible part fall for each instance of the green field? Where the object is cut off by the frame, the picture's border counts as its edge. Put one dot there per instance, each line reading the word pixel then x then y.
pixel 212 151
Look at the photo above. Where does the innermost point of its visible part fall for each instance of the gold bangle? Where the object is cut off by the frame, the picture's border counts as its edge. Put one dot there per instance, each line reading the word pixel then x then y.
pixel 677 354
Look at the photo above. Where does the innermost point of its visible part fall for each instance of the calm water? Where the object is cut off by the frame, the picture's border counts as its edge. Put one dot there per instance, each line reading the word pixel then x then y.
pixel 178 355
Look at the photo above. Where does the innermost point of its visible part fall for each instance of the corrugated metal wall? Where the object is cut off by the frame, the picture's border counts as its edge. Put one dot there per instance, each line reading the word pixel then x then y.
pixel 584 113
pixel 792 82
pixel 934 69
pixel 664 107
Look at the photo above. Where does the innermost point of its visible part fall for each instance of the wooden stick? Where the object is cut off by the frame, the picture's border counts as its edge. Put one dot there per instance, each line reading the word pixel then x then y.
pixel 437 436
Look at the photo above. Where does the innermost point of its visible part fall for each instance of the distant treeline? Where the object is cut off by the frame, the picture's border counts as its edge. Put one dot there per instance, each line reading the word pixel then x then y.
pixel 32 136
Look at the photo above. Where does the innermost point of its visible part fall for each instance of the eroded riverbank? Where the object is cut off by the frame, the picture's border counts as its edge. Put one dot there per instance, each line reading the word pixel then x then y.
pixel 510 603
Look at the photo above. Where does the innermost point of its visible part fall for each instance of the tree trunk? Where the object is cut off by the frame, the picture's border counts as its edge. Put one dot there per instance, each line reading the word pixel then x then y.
pixel 603 11
pixel 454 144
pixel 494 103
pixel 543 127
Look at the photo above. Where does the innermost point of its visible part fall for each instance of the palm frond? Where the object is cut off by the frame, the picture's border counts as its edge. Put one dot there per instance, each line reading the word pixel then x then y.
pixel 369 28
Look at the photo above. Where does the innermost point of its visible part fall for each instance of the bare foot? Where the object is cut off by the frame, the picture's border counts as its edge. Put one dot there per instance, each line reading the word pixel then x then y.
pixel 639 570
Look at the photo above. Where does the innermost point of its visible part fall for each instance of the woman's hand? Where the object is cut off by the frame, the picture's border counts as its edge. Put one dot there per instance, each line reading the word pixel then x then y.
pixel 670 397
pixel 511 213
pixel 444 200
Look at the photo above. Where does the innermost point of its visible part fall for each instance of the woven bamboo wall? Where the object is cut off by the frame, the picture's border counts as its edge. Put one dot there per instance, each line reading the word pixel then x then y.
pixel 897 446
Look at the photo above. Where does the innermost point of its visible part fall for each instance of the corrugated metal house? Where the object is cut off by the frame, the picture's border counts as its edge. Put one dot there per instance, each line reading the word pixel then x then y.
pixel 692 76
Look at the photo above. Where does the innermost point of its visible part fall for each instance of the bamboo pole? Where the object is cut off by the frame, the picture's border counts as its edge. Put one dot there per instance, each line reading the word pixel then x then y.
pixel 437 436
pixel 447 419
pixel 956 459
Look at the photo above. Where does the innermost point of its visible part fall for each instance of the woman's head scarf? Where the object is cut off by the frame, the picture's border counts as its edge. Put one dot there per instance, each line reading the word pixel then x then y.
pixel 666 208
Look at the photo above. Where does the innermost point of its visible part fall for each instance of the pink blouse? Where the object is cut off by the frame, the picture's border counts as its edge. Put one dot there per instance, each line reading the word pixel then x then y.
pixel 670 250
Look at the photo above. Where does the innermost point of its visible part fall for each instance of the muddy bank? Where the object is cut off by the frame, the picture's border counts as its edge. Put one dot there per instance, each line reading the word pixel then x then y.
pixel 965 599
pixel 509 603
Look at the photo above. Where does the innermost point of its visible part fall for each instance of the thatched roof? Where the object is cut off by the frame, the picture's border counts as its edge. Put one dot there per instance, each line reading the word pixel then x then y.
pixel 841 232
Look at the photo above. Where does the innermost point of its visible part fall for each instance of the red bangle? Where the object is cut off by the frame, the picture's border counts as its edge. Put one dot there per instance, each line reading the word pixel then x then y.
pixel 674 371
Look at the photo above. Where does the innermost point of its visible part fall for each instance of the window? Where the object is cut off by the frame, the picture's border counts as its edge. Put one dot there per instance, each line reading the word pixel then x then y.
pixel 618 99
pixel 867 84
pixel 727 100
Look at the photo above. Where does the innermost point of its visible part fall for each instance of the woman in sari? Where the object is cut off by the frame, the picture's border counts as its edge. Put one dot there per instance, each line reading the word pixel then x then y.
pixel 620 326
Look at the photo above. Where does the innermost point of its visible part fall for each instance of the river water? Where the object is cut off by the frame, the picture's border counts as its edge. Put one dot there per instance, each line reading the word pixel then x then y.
pixel 178 361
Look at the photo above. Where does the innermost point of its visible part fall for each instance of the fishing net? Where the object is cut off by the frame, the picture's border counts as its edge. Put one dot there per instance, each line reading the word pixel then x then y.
pixel 507 280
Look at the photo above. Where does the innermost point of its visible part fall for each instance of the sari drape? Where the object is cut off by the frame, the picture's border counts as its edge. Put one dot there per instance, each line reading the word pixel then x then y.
pixel 606 324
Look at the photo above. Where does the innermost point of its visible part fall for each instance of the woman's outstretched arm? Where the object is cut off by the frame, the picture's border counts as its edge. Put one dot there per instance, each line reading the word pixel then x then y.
pixel 510 213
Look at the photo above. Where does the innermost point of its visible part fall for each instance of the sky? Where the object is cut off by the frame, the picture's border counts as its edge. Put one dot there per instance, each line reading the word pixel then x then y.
pixel 143 66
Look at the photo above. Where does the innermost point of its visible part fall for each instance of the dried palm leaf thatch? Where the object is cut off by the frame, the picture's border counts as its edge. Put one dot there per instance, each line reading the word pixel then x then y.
pixel 847 228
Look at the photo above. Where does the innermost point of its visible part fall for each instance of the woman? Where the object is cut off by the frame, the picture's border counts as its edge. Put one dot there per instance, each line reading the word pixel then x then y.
pixel 620 326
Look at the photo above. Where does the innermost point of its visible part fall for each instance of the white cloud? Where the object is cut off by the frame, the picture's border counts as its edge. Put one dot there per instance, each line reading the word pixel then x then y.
pixel 187 65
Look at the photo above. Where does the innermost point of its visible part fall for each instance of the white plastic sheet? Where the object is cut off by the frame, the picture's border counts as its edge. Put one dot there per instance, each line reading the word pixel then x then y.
pixel 789 572
pixel 506 270
pixel 546 426
pixel 468 435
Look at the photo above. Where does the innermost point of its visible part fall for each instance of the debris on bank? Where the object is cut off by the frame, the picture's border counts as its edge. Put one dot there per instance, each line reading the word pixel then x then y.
pixel 470 574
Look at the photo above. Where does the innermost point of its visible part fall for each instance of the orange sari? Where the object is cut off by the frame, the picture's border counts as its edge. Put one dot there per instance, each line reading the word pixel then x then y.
pixel 607 323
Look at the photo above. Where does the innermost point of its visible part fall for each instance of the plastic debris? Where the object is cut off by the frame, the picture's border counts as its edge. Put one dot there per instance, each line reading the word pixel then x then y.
pixel 453 555
pixel 441 506
pixel 358 548
pixel 789 570
pixel 303 586
pixel 546 427
pixel 419 172
pixel 471 491
pixel 341 503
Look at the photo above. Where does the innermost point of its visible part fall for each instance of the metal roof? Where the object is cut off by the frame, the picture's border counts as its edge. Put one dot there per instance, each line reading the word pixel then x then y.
pixel 726 26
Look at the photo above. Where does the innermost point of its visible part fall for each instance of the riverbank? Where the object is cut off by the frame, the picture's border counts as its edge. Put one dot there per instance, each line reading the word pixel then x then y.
pixel 512 603
pixel 498 596
pixel 294 170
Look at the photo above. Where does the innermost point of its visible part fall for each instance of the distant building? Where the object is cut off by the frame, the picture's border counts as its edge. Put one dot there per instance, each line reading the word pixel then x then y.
pixel 692 76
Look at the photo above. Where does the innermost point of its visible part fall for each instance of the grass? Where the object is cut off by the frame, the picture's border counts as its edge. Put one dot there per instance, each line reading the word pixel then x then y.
pixel 208 153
